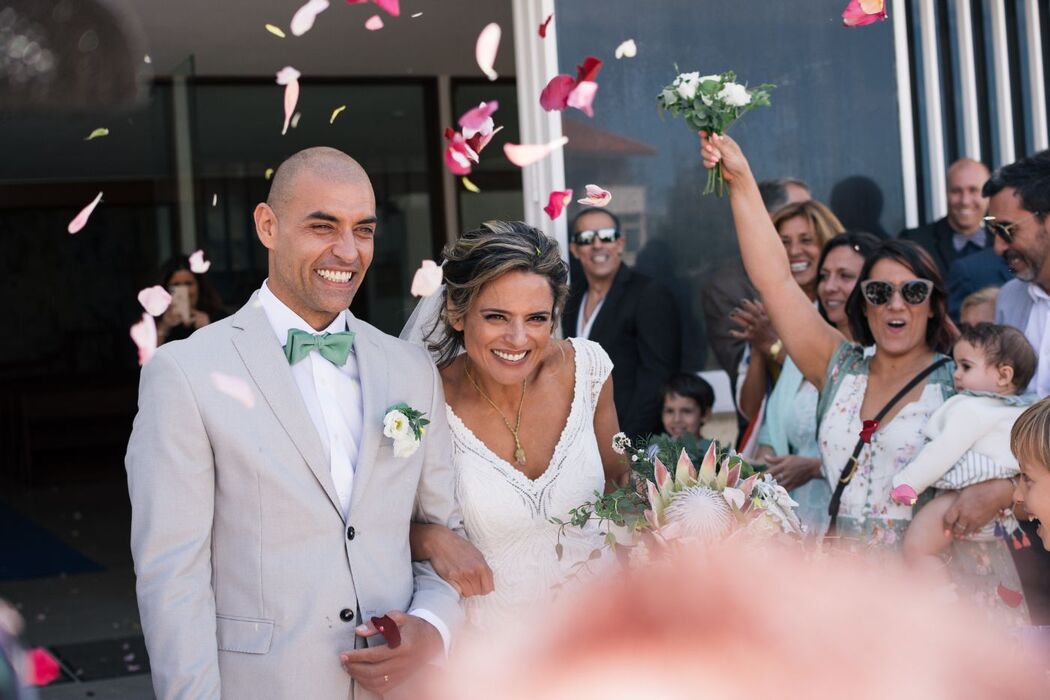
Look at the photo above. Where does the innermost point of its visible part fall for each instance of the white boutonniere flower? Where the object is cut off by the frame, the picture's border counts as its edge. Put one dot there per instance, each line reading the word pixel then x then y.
pixel 405 426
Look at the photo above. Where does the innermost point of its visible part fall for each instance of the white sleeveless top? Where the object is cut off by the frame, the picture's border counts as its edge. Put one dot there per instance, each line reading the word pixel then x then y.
pixel 507 515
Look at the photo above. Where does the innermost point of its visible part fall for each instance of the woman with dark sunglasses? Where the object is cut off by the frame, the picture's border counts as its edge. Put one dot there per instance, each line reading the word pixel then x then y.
pixel 899 308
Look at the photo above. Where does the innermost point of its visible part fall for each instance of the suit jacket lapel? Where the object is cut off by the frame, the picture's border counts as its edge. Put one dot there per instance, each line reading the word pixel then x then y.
pixel 945 238
pixel 261 353
pixel 372 367
pixel 611 305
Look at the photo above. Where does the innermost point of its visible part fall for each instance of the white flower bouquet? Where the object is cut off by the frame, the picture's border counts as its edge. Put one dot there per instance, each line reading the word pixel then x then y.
pixel 711 103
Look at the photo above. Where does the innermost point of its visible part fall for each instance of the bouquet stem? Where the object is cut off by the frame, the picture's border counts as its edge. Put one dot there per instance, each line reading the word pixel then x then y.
pixel 715 181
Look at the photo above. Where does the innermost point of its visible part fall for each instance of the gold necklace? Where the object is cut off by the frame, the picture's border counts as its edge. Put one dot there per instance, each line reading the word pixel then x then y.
pixel 519 451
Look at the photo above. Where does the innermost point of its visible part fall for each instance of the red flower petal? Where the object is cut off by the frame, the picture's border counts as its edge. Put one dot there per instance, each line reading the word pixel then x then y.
pixel 862 12
pixel 388 628
pixel 1009 596
pixel 555 97
pixel 393 7
pixel 458 155
pixel 588 70
pixel 556 203
pixel 477 118
pixel 868 430
pixel 543 27
pixel 43 668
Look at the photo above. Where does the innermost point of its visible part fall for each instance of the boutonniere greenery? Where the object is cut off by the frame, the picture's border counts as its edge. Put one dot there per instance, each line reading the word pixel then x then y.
pixel 406 427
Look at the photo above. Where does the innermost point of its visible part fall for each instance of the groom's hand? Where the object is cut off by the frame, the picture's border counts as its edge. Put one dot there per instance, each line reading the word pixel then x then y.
pixel 381 668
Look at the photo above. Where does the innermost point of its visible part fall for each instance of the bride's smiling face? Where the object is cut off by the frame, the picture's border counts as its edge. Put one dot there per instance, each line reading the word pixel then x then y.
pixel 508 327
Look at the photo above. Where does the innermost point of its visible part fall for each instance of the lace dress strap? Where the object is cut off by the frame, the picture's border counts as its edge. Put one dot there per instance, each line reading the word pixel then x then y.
pixel 593 367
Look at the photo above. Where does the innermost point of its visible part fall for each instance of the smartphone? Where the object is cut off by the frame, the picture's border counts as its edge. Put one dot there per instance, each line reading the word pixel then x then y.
pixel 180 301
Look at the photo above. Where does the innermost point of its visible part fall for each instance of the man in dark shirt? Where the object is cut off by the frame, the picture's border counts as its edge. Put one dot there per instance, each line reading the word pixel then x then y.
pixel 632 317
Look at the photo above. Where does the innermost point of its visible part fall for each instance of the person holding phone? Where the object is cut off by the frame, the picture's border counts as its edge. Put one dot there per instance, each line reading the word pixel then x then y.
pixel 194 301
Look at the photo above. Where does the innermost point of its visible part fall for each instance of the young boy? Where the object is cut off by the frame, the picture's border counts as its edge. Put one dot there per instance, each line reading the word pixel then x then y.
pixel 687 404
pixel 969 437
pixel 1030 443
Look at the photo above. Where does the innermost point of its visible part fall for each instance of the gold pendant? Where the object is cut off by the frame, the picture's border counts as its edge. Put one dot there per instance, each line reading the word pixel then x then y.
pixel 519 456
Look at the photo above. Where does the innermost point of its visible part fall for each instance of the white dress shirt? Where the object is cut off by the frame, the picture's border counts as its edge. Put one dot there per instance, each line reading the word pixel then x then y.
pixel 1038 333
pixel 333 398
pixel 583 328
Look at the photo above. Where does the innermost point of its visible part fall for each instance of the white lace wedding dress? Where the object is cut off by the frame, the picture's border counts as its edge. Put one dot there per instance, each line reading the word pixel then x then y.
pixel 507 515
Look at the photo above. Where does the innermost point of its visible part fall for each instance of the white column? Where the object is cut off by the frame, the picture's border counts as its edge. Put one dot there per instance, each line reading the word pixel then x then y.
pixel 905 118
pixel 931 83
pixel 1003 105
pixel 448 181
pixel 1036 81
pixel 536 62
pixel 971 120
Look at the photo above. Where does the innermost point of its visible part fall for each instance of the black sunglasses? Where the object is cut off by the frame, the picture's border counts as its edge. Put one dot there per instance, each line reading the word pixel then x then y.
pixel 879 292
pixel 605 235
pixel 1005 229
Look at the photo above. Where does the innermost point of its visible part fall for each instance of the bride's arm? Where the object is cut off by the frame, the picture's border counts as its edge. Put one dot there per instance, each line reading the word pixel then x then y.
pixel 454 558
pixel 606 425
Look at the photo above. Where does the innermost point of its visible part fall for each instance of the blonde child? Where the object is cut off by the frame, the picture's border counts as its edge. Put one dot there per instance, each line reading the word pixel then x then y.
pixel 969 438
pixel 979 306
pixel 1030 443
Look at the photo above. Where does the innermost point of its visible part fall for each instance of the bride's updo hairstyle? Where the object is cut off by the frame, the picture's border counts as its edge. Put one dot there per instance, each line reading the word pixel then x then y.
pixel 483 255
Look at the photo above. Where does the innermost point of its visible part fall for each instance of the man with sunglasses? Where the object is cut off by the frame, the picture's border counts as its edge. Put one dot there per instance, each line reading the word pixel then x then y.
pixel 631 316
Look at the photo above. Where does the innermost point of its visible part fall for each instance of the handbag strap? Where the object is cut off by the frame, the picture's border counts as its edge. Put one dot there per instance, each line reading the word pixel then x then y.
pixel 851 466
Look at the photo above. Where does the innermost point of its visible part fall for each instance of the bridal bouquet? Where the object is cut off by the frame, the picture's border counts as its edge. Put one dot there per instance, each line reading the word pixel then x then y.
pixel 711 103
pixel 724 498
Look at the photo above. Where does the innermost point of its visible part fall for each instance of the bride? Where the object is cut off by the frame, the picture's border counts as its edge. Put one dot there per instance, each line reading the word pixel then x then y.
pixel 531 417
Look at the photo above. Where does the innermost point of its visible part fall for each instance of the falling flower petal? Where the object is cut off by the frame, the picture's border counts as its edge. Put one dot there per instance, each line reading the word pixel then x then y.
pixel 627 49
pixel 527 154
pixel 335 113
pixel 543 27
pixel 43 668
pixel 859 13
pixel 596 197
pixel 304 17
pixel 97 133
pixel 198 265
pixel 374 23
pixel 427 279
pixel 81 219
pixel 1009 596
pixel 289 77
pixel 417 14
pixel 388 628
pixel 268 174
pixel 486 48
pixel 144 333
pixel 295 119
pixel 214 199
pixel 234 387
pixel 556 203
pixel 555 96
pixel 458 155
pixel 478 141
pixel 155 300
pixel 470 186
pixel 588 70
pixel 478 119
pixel 147 59
pixel 275 30
pixel 582 96
pixel 904 495
pixel 392 7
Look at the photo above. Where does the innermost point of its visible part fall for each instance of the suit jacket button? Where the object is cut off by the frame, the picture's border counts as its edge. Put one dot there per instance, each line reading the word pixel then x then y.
pixel 346 614
pixel 350 532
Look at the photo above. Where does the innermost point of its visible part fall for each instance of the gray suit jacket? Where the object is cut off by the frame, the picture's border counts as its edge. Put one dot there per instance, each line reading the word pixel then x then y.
pixel 1013 305
pixel 243 560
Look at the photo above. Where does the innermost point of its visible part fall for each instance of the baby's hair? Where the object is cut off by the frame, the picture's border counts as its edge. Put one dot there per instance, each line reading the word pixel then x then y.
pixel 691 387
pixel 1003 345
pixel 981 296
pixel 1030 436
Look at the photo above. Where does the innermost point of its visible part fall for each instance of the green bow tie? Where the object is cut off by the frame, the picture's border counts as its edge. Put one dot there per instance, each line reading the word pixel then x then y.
pixel 334 347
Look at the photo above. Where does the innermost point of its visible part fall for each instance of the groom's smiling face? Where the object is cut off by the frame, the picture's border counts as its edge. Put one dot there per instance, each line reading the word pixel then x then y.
pixel 320 232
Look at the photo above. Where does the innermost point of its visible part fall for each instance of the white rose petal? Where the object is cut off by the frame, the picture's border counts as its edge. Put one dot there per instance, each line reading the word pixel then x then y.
pixel 690 83
pixel 396 426
pixel 405 447
pixel 734 95
pixel 705 78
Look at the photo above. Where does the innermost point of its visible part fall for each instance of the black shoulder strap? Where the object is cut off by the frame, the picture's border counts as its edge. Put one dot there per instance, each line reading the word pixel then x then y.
pixel 851 466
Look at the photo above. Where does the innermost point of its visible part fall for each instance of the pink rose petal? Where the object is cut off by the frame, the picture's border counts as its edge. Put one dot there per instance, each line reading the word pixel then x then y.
pixel 392 7
pixel 582 96
pixel 155 300
pixel 1009 596
pixel 555 96
pixel 859 13
pixel 458 155
pixel 478 141
pixel 198 265
pixel 527 154
pixel 596 197
pixel 144 333
pixel 543 27
pixel 486 48
pixel 303 19
pixel 904 495
pixel 556 203
pixel 427 279
pixel 374 23
pixel 81 219
pixel 43 668
pixel 234 387
pixel 289 77
pixel 479 119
